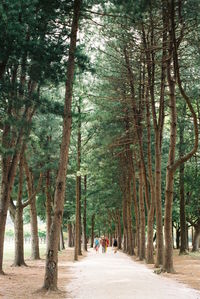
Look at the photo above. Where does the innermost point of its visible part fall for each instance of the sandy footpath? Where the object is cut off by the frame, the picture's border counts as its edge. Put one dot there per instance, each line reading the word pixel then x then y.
pixel 117 276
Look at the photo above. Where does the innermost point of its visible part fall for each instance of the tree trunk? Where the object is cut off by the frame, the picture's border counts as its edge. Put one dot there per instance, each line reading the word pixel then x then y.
pixel 48 205
pixel 125 221
pixel 183 230
pixel 77 224
pixel 62 242
pixel 92 230
pixel 195 244
pixel 135 208
pixel 130 245
pixel 158 201
pixel 142 217
pixel 70 236
pixel 18 224
pixel 35 253
pixel 177 238
pixel 119 230
pixel 9 166
pixel 151 211
pixel 85 215
pixel 168 252
pixel 19 238
pixel 51 269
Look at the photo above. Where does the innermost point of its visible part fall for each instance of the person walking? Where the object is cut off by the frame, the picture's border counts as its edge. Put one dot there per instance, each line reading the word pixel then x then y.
pixel 103 245
pixel 96 244
pixel 115 245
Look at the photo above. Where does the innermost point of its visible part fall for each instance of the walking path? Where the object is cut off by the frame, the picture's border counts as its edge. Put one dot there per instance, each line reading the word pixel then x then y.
pixel 117 276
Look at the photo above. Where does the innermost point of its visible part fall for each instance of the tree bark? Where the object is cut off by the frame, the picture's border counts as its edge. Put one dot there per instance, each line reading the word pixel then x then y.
pixel 48 205
pixel 195 243
pixel 183 229
pixel 51 269
pixel 70 236
pixel 142 217
pixel 130 245
pixel 18 224
pixel 135 203
pixel 119 230
pixel 35 253
pixel 92 230
pixel 62 242
pixel 85 215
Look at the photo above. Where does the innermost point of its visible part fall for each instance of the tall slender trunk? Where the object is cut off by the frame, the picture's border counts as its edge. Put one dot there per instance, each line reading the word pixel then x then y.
pixel 92 230
pixel 48 204
pixel 85 214
pixel 142 216
pixel 19 238
pixel 62 242
pixel 70 235
pixel 9 166
pixel 159 221
pixel 195 243
pixel 168 251
pixel 135 203
pixel 130 245
pixel 119 230
pixel 151 211
pixel 124 214
pixel 35 253
pixel 77 249
pixel 183 228
pixel 18 224
pixel 51 269
pixel 77 223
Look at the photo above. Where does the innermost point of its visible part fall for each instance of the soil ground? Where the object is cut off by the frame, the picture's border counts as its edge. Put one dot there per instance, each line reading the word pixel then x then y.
pixel 103 276
pixel 23 282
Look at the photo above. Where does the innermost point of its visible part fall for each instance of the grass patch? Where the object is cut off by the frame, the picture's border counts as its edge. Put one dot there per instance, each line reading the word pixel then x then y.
pixel 9 251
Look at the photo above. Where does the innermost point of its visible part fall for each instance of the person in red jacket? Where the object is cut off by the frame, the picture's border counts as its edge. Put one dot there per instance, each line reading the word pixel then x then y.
pixel 107 243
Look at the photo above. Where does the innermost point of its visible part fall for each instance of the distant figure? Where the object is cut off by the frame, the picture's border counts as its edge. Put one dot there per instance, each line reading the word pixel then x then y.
pixel 103 244
pixel 107 243
pixel 96 244
pixel 115 245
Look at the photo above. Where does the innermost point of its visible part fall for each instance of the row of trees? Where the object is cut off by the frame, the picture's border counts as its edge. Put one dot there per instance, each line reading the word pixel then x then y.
pixel 135 110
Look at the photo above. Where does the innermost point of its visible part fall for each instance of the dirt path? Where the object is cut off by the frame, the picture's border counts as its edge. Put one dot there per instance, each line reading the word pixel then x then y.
pixel 117 276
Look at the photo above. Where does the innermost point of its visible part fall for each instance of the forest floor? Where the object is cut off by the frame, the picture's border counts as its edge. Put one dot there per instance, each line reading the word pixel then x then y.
pixel 108 276
pixel 24 282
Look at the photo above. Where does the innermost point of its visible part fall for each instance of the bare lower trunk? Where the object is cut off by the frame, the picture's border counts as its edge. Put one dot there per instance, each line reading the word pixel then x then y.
pixel 70 236
pixel 183 229
pixel 168 252
pixel 195 244
pixel 77 224
pixel 35 253
pixel 119 230
pixel 48 205
pixel 80 226
pixel 130 245
pixel 135 203
pixel 150 248
pixel 142 218
pixel 85 215
pixel 92 230
pixel 158 204
pixel 62 242
pixel 125 222
pixel 3 216
pixel 19 238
